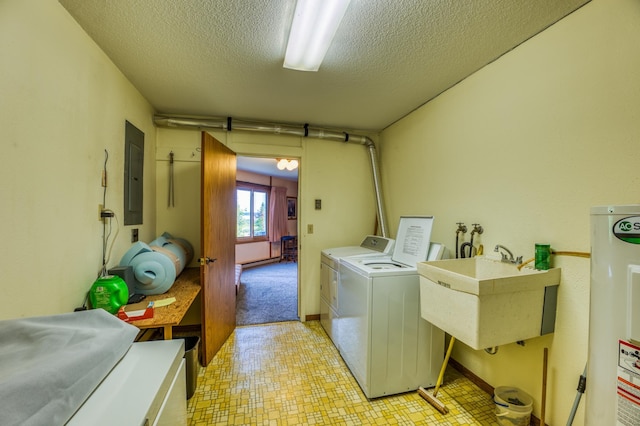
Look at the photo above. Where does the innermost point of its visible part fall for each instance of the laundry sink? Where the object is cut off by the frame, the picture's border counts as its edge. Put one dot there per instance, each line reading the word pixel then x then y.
pixel 485 303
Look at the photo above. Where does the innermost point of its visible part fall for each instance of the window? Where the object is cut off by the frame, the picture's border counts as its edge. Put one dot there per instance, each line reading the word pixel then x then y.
pixel 252 212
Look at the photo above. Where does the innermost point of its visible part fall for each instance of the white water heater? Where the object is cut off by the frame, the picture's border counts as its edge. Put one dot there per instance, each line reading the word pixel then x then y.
pixel 613 372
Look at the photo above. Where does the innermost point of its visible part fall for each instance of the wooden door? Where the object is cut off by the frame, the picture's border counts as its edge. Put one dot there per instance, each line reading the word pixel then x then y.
pixel 218 214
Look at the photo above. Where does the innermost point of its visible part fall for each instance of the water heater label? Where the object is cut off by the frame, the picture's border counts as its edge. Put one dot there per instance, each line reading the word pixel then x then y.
pixel 628 384
pixel 628 229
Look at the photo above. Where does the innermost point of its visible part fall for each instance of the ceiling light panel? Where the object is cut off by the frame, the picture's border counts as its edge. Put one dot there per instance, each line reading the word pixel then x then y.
pixel 315 23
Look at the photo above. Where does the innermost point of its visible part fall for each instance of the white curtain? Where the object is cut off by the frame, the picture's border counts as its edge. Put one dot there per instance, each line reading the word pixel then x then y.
pixel 277 213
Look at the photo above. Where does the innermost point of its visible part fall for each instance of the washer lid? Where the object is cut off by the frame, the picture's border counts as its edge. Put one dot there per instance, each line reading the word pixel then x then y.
pixel 412 239
pixel 378 266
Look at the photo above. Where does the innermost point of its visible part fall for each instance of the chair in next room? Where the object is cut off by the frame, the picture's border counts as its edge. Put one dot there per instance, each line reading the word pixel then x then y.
pixel 289 248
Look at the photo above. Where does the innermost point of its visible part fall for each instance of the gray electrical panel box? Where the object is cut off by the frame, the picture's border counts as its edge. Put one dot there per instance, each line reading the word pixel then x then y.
pixel 133 174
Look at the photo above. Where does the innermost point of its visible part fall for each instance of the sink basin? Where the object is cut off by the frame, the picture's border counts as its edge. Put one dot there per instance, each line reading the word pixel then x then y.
pixel 485 303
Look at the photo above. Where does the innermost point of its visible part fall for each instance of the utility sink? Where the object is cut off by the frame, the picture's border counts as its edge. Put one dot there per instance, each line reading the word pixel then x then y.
pixel 485 303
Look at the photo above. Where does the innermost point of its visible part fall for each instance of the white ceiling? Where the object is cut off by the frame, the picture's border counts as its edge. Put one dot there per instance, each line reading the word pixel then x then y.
pixel 223 58
pixel 265 166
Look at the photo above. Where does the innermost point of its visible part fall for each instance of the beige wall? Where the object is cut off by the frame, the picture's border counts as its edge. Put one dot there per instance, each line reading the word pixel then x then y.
pixel 337 173
pixel 62 103
pixel 525 147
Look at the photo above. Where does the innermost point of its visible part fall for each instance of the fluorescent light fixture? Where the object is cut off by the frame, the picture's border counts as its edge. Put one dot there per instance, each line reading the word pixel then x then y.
pixel 315 22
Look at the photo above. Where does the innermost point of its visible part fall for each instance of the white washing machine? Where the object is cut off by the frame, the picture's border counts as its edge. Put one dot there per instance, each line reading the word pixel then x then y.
pixel 381 335
pixel 372 245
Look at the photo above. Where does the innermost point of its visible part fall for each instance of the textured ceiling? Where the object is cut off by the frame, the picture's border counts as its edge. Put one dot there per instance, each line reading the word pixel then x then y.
pixel 224 57
pixel 265 166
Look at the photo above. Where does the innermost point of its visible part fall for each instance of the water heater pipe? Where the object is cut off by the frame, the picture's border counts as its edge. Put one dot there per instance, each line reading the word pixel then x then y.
pixel 229 124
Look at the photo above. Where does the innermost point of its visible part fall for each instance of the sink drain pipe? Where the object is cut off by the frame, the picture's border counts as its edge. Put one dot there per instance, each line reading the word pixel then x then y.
pixel 229 124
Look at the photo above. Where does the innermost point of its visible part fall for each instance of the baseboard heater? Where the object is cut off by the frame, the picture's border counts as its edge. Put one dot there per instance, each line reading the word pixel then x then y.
pixel 260 262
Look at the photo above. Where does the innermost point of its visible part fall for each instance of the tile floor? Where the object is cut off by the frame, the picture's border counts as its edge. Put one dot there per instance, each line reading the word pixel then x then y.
pixel 291 374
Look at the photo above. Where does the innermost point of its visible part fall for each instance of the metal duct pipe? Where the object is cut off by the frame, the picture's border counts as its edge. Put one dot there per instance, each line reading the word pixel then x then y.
pixel 376 184
pixel 230 124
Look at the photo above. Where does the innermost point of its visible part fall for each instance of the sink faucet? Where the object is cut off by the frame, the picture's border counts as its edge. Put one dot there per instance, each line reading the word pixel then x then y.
pixel 510 258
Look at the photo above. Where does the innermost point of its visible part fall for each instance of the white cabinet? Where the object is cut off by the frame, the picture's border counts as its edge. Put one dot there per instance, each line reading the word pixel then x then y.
pixel 147 387
pixel 328 297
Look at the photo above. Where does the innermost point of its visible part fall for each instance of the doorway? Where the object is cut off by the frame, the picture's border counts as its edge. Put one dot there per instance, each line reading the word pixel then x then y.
pixel 268 287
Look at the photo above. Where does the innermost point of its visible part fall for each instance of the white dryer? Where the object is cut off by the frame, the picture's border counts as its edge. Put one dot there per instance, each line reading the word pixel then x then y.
pixel 371 246
pixel 381 335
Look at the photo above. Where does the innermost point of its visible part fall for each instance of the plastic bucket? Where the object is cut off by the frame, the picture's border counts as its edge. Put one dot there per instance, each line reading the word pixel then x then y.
pixel 513 406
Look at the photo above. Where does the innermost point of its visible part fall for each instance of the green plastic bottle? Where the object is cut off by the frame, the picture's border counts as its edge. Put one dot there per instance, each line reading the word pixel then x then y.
pixel 543 257
pixel 109 292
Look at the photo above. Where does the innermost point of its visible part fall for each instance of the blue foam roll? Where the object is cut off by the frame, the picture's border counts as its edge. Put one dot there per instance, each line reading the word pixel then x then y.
pixel 178 247
pixel 136 249
pixel 154 271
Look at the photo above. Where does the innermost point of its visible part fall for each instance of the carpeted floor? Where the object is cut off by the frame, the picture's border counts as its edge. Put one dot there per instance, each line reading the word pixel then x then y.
pixel 268 293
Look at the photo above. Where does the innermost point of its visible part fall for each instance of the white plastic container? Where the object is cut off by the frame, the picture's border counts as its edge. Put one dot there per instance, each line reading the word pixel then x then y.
pixel 513 406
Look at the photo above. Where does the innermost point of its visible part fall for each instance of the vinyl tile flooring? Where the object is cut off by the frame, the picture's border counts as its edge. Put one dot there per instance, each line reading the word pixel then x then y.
pixel 290 373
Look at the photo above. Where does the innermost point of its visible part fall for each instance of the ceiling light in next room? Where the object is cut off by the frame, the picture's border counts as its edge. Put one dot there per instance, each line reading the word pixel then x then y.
pixel 283 163
pixel 315 22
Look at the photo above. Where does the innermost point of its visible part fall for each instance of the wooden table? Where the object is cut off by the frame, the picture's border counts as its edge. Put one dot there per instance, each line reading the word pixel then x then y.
pixel 185 290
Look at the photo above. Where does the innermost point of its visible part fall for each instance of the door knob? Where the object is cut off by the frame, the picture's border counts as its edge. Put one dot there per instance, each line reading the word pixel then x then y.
pixel 206 260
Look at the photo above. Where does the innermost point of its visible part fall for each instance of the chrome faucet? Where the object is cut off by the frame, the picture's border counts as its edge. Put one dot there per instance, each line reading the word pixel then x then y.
pixel 509 259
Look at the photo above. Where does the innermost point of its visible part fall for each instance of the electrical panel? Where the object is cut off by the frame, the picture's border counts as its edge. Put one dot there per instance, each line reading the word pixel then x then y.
pixel 133 174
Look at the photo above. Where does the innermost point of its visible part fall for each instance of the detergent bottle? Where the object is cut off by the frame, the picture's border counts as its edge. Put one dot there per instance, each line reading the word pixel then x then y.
pixel 109 292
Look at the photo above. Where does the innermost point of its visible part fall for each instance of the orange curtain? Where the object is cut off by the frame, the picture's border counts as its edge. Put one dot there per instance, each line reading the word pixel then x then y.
pixel 277 213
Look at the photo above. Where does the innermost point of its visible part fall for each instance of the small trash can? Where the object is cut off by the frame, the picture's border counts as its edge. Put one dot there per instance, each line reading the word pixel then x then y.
pixel 192 363
pixel 513 406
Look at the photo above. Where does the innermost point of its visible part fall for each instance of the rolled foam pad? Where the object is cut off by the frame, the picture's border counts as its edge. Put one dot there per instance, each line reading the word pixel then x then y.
pixel 186 246
pixel 154 271
pixel 136 249
pixel 180 250
pixel 161 240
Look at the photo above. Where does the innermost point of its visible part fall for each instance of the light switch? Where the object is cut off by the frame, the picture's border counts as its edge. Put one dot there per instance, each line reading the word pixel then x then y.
pixel 310 229
pixel 318 204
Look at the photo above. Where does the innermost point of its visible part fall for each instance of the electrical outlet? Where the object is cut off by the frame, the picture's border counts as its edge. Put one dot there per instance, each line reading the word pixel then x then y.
pixel 100 208
pixel 134 235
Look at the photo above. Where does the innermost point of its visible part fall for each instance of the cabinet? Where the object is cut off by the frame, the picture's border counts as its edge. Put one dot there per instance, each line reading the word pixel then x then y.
pixel 147 387
pixel 329 297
